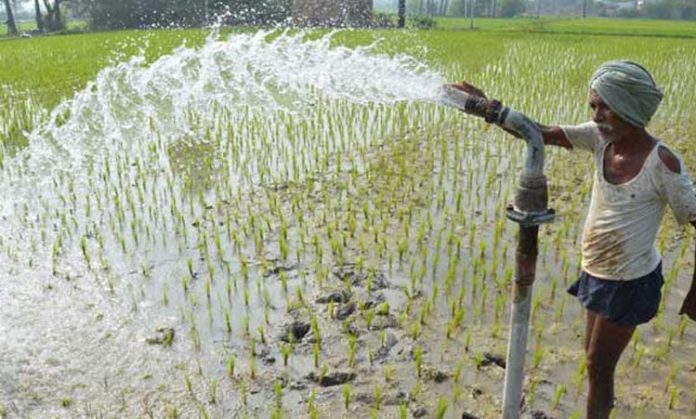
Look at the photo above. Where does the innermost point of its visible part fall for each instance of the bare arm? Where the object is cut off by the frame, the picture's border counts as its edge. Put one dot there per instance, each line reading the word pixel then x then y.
pixel 553 135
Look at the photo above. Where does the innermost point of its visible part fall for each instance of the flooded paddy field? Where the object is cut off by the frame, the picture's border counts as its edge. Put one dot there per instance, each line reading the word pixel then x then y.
pixel 290 225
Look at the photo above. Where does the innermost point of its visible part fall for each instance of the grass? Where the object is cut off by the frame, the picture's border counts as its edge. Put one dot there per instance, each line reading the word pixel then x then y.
pixel 589 26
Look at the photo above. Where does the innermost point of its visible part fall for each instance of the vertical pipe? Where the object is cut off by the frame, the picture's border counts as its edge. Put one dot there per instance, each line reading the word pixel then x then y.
pixel 525 268
pixel 530 208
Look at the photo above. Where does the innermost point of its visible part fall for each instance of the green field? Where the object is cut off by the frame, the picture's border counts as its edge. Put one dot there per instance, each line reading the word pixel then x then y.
pixel 167 224
pixel 595 26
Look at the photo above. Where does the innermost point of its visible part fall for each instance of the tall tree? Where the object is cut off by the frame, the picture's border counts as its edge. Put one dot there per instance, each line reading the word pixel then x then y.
pixel 39 18
pixel 444 5
pixel 11 24
pixel 402 13
pixel 54 19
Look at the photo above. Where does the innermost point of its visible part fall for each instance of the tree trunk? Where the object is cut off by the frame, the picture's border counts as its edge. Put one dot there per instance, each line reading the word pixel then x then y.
pixel 584 9
pixel 471 14
pixel 49 15
pixel 443 7
pixel 11 24
pixel 54 20
pixel 402 13
pixel 39 18
pixel 58 18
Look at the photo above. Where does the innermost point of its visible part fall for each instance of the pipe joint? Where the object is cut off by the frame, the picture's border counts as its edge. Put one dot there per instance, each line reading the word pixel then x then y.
pixel 531 194
pixel 530 206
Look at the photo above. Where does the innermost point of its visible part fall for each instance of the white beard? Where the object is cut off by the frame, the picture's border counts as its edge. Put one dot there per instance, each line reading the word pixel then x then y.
pixel 607 133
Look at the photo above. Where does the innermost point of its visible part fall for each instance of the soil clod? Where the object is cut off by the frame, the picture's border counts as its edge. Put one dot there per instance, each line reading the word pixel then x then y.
pixel 332 379
pixel 344 311
pixel 334 297
pixel 433 374
pixel 295 331
pixel 490 358
pixel 389 342
pixel 384 322
pixel 276 270
pixel 419 412
pixel 164 336
pixel 374 302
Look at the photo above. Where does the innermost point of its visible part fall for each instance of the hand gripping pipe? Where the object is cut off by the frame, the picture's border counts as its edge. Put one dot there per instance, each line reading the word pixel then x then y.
pixel 529 209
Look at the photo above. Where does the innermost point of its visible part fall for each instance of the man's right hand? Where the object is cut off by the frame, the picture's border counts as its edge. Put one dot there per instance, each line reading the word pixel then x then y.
pixel 469 89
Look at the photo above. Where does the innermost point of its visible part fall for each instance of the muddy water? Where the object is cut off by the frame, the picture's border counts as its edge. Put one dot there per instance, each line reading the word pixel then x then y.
pixel 172 224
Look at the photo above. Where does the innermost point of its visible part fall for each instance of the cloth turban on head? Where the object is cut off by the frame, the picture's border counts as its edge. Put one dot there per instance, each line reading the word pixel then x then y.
pixel 628 89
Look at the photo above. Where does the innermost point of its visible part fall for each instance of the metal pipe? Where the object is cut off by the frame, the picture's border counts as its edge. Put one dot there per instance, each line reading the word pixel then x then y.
pixel 525 268
pixel 493 111
pixel 529 209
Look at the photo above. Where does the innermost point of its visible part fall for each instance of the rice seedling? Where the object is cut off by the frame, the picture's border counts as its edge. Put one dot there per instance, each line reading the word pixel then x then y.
pixel 231 364
pixel 673 397
pixel 441 408
pixel 252 366
pixel 312 409
pixel 315 329
pixel 286 350
pixel 347 394
pixel 244 394
pixel 278 389
pixel 558 394
pixel 418 359
pixel 315 354
pixel 189 384
pixel 538 354
pixel 212 392
pixel 351 350
pixel 377 397
pixel 403 410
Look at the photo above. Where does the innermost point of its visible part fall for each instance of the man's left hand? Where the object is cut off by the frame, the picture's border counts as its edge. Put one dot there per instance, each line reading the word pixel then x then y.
pixel 469 89
pixel 689 305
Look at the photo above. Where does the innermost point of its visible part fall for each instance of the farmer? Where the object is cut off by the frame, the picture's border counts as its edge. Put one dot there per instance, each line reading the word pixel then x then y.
pixel 636 177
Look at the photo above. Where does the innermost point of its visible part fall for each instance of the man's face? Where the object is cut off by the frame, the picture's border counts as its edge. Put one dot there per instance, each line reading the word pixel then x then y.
pixel 610 125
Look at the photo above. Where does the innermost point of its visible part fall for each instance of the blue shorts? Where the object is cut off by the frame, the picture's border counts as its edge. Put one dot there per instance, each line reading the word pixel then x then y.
pixel 628 303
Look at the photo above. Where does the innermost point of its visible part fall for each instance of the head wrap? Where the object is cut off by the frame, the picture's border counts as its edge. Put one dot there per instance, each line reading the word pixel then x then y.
pixel 629 90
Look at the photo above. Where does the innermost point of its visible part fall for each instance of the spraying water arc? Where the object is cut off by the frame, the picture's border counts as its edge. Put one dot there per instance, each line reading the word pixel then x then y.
pixel 529 210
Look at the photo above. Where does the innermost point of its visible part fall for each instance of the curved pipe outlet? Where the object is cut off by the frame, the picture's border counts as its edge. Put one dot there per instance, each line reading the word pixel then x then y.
pixel 531 134
pixel 505 117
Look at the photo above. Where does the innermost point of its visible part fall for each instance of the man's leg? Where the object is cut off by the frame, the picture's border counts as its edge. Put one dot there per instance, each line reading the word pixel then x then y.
pixel 603 347
pixel 591 316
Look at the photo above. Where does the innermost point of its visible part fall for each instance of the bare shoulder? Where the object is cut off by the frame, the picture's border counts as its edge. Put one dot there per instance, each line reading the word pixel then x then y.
pixel 669 159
